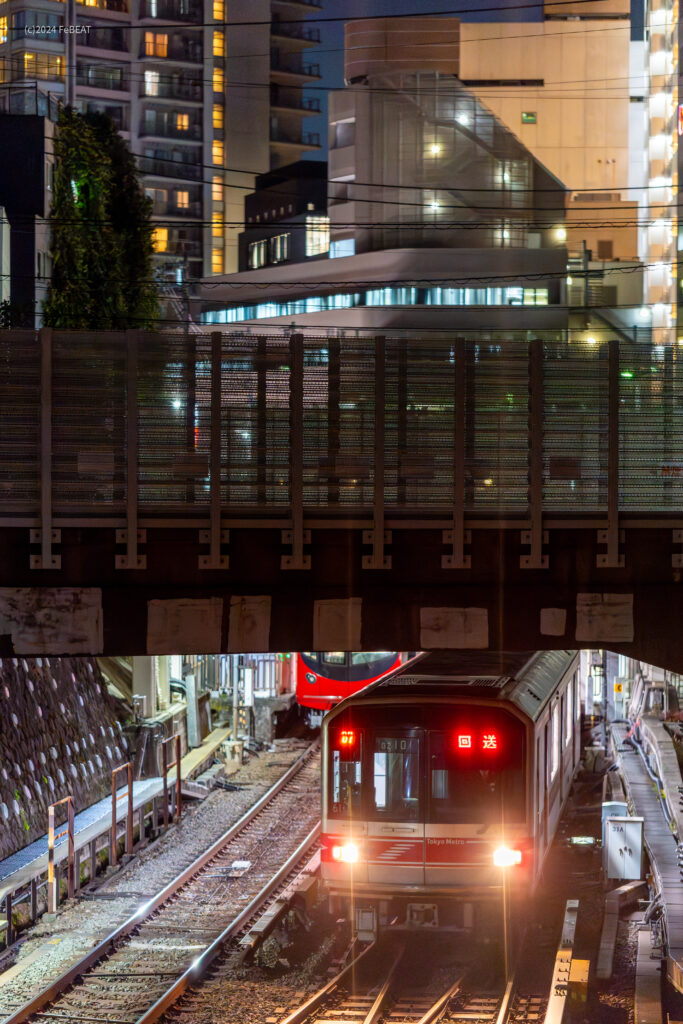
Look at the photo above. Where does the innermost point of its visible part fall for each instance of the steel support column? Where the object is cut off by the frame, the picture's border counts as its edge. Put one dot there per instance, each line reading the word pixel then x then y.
pixel 45 535
pixel 378 536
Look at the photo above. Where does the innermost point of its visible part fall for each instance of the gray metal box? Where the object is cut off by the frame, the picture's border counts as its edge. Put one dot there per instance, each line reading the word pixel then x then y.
pixel 623 850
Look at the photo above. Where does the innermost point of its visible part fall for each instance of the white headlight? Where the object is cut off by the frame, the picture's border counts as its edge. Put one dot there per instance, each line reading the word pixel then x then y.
pixel 504 857
pixel 348 853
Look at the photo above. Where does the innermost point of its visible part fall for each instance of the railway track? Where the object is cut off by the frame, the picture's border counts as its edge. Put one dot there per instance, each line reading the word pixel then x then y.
pixel 140 969
pixel 382 997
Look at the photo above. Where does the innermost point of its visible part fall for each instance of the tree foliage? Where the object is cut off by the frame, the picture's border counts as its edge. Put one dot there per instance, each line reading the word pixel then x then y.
pixel 101 231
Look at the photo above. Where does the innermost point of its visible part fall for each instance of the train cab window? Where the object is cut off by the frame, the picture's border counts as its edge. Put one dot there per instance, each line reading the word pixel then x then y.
pixel 474 783
pixel 367 657
pixel 334 657
pixel 396 778
pixel 346 773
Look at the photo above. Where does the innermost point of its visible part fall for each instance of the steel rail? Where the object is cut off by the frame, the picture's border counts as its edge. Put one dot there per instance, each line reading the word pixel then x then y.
pixel 106 945
pixel 311 1004
pixel 198 968
pixel 377 1007
pixel 506 1003
pixel 436 1012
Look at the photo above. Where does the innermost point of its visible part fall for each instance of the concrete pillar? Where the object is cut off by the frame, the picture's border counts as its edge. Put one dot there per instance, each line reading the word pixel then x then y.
pixel 144 683
pixel 163 674
pixel 193 727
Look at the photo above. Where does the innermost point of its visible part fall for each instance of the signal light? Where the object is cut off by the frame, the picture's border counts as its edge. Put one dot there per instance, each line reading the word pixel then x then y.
pixel 504 857
pixel 347 738
pixel 348 853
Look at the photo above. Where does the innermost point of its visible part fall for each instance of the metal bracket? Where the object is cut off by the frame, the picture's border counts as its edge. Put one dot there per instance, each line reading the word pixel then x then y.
pixel 378 559
pixel 214 559
pixel 53 561
pixel 612 559
pixel 297 559
pixel 533 560
pixel 131 560
pixel 457 559
pixel 677 557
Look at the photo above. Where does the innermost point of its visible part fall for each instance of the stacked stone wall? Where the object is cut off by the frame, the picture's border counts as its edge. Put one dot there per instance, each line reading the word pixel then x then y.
pixel 59 736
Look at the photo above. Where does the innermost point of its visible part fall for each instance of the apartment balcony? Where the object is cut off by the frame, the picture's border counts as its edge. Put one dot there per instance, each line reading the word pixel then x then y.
pixel 170 10
pixel 97 77
pixel 297 5
pixel 289 68
pixel 97 38
pixel 191 211
pixel 165 128
pixel 182 50
pixel 292 101
pixel 299 140
pixel 163 167
pixel 295 33
pixel 189 92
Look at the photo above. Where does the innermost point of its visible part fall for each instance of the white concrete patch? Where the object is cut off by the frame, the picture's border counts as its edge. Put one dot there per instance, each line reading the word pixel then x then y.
pixel 603 618
pixel 184 625
pixel 249 628
pixel 553 621
pixel 337 624
pixel 456 628
pixel 52 620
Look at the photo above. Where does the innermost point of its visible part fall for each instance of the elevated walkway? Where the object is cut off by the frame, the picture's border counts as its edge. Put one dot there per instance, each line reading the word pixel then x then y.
pixel 659 836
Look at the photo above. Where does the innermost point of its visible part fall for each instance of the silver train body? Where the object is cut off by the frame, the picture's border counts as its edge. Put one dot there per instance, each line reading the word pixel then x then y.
pixel 443 787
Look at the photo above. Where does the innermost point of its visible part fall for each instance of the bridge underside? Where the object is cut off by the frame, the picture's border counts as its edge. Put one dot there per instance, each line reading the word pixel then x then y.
pixel 338 602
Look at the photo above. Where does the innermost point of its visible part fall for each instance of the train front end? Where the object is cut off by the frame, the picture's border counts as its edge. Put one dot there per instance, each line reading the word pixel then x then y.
pixel 425 820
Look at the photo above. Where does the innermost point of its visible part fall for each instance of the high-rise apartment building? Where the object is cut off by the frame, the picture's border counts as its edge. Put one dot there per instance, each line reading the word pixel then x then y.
pixel 173 75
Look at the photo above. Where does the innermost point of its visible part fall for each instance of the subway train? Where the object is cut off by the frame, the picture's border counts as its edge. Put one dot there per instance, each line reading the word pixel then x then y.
pixel 324 678
pixel 443 787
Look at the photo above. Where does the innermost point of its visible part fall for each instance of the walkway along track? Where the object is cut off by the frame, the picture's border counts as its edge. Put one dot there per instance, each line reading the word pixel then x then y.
pixel 146 963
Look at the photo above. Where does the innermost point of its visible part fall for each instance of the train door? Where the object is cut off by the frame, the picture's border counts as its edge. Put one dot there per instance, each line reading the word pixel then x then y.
pixel 396 819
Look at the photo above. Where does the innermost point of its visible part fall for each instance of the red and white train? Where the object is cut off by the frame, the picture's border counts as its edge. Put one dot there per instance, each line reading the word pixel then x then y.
pixel 324 678
pixel 443 787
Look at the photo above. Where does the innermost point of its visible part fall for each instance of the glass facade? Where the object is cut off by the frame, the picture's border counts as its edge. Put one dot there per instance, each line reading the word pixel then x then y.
pixel 410 296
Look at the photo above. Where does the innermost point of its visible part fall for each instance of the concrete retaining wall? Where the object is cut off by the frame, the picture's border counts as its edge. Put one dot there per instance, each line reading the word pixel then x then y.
pixel 59 735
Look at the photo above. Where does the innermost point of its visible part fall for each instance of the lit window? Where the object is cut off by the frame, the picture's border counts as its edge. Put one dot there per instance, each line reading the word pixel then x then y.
pixel 182 122
pixel 343 247
pixel 218 116
pixel 279 248
pixel 556 736
pixel 182 200
pixel 3 30
pixel 160 239
pixel 258 253
pixel 219 10
pixel 217 225
pixel 29 62
pixel 218 80
pixel 317 235
pixel 156 44
pixel 569 715
pixel 151 83
pixel 217 190
pixel 216 261
pixel 219 44
pixel 217 151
